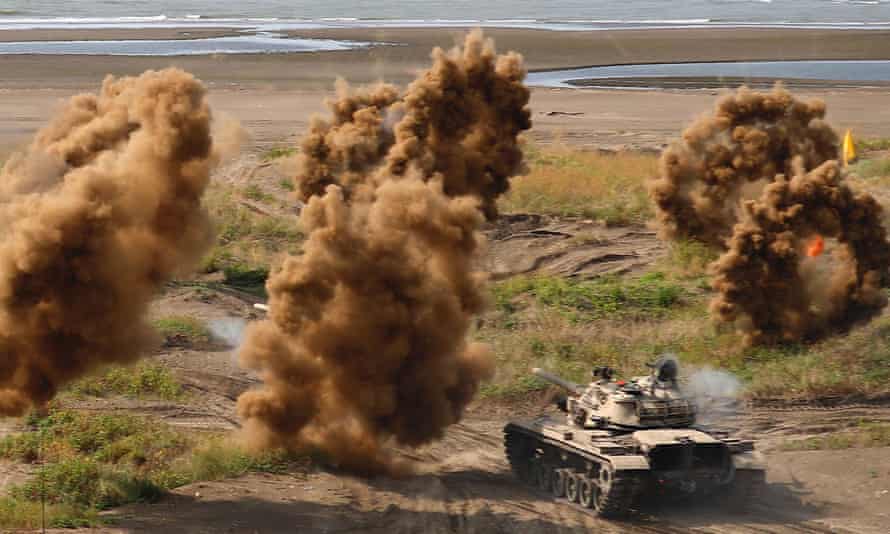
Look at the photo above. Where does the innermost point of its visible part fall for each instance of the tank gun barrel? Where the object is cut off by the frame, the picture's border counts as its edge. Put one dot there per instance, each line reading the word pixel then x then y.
pixel 553 379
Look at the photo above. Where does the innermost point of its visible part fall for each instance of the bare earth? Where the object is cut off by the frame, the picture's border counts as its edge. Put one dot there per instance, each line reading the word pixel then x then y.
pixel 465 485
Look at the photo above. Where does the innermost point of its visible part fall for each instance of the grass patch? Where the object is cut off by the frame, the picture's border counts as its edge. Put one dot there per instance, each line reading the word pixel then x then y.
pixel 566 182
pixel 867 145
pixel 246 239
pixel 92 462
pixel 590 299
pixel 864 434
pixel 690 258
pixel 252 281
pixel 253 192
pixel 279 152
pixel 287 184
pixel 142 381
pixel 183 328
pixel 571 327
pixel 872 168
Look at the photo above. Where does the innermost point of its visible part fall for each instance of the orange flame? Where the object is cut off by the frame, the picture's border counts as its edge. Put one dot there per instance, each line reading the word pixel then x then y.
pixel 816 246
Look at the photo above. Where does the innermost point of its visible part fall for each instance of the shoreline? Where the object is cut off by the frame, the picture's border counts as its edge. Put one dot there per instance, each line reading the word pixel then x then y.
pixel 274 96
pixel 543 50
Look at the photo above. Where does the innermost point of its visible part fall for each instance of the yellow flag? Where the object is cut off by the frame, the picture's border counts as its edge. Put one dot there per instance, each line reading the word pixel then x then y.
pixel 849 149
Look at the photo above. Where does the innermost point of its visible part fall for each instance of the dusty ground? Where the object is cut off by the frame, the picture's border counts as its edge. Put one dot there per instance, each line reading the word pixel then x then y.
pixel 597 118
pixel 464 483
pixel 527 244
pixel 466 486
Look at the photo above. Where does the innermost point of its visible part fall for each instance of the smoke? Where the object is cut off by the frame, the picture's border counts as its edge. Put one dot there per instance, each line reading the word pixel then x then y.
pixel 716 394
pixel 760 279
pixel 724 157
pixel 366 347
pixel 229 330
pixel 759 181
pixel 98 212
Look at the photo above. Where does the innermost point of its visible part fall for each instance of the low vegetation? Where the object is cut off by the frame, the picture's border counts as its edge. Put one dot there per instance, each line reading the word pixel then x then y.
pixel 571 326
pixel 562 325
pixel 567 182
pixel 183 329
pixel 872 168
pixel 584 301
pixel 86 463
pixel 141 381
pixel 246 238
pixel 279 152
pixel 870 145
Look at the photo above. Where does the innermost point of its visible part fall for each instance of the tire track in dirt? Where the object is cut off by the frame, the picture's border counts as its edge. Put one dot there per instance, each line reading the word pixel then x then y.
pixel 465 486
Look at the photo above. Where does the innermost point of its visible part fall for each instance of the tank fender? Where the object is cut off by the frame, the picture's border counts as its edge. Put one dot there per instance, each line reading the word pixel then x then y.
pixel 629 463
pixel 671 436
pixel 749 460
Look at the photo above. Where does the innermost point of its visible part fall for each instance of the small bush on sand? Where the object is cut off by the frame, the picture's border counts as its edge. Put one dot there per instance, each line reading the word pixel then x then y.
pixel 183 326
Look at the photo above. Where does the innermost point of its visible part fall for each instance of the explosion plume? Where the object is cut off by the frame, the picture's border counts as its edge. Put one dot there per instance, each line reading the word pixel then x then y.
pixel 759 181
pixel 366 342
pixel 749 139
pixel 100 210
pixel 760 279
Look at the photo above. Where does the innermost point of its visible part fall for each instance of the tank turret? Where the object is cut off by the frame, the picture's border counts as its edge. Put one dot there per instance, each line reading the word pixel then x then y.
pixel 624 438
pixel 652 401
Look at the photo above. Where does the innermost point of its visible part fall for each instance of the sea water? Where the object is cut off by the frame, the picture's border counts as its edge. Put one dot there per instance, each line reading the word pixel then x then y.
pixel 256 23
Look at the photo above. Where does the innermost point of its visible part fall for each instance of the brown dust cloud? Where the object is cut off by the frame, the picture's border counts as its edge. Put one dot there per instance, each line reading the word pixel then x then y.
pixel 98 212
pixel 759 181
pixel 366 344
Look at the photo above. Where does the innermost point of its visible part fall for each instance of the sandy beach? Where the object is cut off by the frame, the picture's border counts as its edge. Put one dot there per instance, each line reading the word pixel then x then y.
pixel 275 94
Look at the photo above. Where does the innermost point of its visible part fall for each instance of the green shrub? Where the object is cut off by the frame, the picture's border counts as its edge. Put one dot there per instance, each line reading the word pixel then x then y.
pixel 141 381
pixel 279 152
pixel 590 299
pixel 193 330
pixel 240 276
pixel 253 192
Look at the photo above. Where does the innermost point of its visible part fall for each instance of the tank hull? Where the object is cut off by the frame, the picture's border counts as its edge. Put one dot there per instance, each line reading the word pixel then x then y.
pixel 606 471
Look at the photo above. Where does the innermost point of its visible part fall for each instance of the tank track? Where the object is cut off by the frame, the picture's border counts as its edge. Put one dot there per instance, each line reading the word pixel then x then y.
pixel 744 490
pixel 603 494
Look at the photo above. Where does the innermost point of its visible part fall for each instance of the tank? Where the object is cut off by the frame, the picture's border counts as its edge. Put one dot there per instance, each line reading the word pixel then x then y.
pixel 622 439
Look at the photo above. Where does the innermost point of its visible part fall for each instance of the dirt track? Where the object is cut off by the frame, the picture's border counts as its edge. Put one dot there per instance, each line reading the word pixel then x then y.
pixel 465 485
pixel 468 489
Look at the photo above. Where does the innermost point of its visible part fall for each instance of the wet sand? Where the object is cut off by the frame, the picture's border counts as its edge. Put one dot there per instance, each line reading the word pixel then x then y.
pixel 274 95
pixel 406 50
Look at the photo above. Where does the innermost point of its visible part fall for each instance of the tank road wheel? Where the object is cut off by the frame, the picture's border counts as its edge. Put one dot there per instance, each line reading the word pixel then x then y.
pixel 558 483
pixel 585 491
pixel 613 495
pixel 572 486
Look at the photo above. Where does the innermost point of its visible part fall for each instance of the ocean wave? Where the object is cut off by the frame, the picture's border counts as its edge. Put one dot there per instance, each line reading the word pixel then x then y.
pixel 259 24
pixel 254 44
